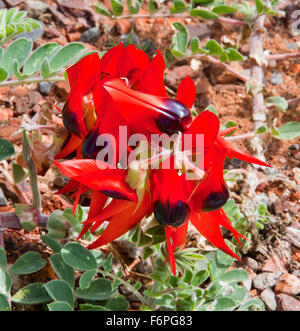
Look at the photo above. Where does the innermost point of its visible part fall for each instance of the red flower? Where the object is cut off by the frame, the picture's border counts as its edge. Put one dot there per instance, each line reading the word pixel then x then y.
pixel 126 67
pixel 128 90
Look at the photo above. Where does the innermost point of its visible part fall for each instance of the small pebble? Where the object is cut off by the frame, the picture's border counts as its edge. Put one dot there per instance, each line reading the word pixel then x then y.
pixel 276 78
pixel 45 87
pixel 90 35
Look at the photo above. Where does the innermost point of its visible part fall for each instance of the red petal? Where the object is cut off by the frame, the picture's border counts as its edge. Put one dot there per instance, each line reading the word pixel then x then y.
pixel 152 80
pixel 110 61
pixel 133 60
pixel 88 172
pixel 72 144
pixel 98 201
pixel 82 76
pixel 207 124
pixel 113 209
pixel 209 227
pixel 71 186
pixel 145 112
pixel 171 256
pixel 121 223
pixel 234 152
pixel 186 92
pixel 82 189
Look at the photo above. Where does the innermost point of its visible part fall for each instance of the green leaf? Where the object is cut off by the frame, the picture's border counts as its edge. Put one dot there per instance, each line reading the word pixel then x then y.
pixel 235 275
pixel 90 307
pixel 213 47
pixel 65 55
pixel 52 243
pixel 180 39
pixel 28 263
pixel 107 265
pixel 86 278
pixel 154 7
pixel 144 239
pixel 73 220
pixel 199 277
pixel 62 270
pixel 101 9
pixel 147 251
pixel 78 257
pixel 224 9
pixel 195 45
pixel 17 50
pixel 59 290
pixel 118 303
pixel 5 283
pixel 224 304
pixel 32 294
pixel 6 149
pixel 45 68
pixel 252 305
pixel 178 6
pixel 117 7
pixel 234 55
pixel 59 306
pixel 134 6
pixel 278 102
pixel 288 131
pixel 259 6
pixel 224 259
pixel 261 129
pixel 100 289
pixel 239 293
pixel 3 74
pixel 166 301
pixel 4 304
pixel 207 15
pixel 25 215
pixel 2 258
pixel 56 225
pixel 34 62
pixel 19 174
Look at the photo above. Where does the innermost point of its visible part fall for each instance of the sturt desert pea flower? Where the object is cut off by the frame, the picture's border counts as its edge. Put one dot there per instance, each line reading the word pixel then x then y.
pixel 199 202
pixel 87 76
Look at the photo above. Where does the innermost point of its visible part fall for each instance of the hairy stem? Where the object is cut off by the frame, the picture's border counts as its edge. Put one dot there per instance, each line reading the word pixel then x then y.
pixel 32 81
pixel 257 79
pixel 282 56
pixel 226 20
pixel 129 286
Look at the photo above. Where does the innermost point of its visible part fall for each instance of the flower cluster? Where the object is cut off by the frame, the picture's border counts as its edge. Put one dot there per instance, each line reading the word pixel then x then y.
pixel 125 89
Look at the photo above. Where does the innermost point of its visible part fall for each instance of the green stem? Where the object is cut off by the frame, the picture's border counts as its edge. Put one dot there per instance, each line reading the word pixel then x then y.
pixel 130 287
pixel 27 156
pixel 32 81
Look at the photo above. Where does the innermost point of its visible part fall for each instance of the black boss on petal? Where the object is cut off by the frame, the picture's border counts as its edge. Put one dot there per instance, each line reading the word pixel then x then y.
pixel 175 116
pixel 215 200
pixel 171 214
pixel 70 120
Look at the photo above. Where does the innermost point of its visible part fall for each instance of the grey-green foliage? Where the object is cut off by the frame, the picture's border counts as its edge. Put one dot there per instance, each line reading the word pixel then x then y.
pixel 209 286
pixel 14 22
pixel 18 58
pixel 62 294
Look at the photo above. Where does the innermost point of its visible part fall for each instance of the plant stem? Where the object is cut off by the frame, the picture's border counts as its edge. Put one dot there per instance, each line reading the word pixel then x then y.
pixel 226 20
pixel 257 79
pixel 224 65
pixel 241 137
pixel 129 286
pixel 31 81
pixel 282 56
